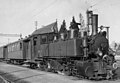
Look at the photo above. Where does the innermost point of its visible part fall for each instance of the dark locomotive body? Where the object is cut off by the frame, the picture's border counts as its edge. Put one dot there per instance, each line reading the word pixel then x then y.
pixel 64 51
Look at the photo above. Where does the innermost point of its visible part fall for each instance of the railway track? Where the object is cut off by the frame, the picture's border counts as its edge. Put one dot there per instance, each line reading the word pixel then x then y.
pixel 12 74
pixel 11 79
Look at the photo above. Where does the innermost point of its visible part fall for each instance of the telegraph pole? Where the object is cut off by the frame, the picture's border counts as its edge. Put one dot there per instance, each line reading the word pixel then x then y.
pixel 36 25
pixel 8 40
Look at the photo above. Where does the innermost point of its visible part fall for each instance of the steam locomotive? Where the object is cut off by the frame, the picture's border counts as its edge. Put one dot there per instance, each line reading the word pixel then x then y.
pixel 71 52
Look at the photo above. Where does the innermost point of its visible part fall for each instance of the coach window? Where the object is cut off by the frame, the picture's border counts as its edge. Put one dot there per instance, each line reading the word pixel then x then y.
pixel 20 46
pixel 11 48
pixel 35 41
pixel 43 39
pixel 8 49
pixel 14 47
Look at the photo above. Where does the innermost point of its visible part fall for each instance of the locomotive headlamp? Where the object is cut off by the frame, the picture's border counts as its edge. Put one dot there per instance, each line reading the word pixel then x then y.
pixel 100 53
pixel 114 53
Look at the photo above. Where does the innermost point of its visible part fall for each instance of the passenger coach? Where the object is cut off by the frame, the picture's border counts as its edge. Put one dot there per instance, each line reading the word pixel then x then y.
pixel 17 52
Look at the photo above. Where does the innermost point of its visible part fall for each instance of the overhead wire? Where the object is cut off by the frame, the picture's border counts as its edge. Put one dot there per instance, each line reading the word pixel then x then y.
pixel 108 5
pixel 115 4
pixel 45 8
pixel 51 4
pixel 97 3
pixel 48 6
pixel 101 1
pixel 41 11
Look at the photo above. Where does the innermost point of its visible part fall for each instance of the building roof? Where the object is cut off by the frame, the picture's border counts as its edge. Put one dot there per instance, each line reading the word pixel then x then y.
pixel 47 29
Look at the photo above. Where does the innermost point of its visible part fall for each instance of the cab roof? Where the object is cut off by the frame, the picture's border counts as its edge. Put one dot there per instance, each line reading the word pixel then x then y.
pixel 47 29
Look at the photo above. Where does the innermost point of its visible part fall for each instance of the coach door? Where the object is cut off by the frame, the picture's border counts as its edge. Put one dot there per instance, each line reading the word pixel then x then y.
pixel 27 51
pixel 44 46
pixel 34 48
pixel 5 53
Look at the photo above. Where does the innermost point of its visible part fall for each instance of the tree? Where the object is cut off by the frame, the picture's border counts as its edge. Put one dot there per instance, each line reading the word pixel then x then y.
pixel 82 20
pixel 63 27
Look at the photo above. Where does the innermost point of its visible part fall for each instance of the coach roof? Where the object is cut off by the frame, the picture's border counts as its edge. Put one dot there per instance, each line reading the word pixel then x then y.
pixel 47 29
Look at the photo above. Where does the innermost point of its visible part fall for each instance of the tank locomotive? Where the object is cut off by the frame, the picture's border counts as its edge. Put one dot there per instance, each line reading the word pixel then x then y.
pixel 74 52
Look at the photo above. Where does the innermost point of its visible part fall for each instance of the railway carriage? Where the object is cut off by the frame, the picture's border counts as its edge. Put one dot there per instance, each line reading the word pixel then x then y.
pixel 18 52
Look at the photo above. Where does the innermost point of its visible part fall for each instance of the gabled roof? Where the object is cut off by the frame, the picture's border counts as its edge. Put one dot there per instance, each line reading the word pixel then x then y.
pixel 47 29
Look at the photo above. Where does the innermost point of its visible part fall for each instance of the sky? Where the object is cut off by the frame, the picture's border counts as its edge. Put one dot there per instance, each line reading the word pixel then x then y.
pixel 19 16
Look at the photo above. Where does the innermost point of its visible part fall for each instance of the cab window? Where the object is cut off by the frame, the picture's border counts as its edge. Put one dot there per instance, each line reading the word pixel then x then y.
pixel 51 37
pixel 43 39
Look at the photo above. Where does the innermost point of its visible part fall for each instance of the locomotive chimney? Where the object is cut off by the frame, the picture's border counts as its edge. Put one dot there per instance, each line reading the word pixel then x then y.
pixel 89 21
pixel 94 24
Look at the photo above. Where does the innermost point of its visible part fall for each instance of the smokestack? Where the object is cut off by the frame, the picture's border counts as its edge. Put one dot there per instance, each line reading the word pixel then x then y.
pixel 107 32
pixel 89 17
pixel 89 21
pixel 94 24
